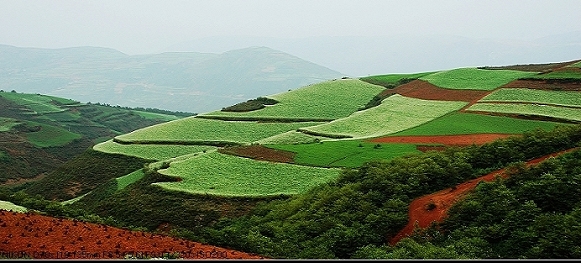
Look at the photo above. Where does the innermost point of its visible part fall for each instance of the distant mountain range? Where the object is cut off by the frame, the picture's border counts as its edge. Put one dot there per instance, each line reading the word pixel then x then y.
pixel 176 81
pixel 359 56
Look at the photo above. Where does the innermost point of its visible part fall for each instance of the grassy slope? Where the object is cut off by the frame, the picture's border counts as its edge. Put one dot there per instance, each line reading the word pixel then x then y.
pixel 344 153
pixel 325 100
pixel 224 175
pixel 469 123
pixel 150 151
pixel 563 98
pixel 193 129
pixel 396 113
pixel 474 79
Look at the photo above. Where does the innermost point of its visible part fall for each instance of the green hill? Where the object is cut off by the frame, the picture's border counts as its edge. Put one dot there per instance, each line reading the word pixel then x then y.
pixel 329 170
pixel 39 133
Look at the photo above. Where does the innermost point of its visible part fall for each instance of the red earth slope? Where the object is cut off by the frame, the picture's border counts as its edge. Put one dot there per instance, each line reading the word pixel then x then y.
pixel 31 235
pixel 422 211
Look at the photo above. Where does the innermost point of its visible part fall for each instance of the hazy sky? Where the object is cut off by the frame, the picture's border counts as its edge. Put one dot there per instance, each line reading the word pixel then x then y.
pixel 149 26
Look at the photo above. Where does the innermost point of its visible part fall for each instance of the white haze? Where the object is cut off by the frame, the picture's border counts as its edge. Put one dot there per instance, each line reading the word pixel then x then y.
pixel 354 37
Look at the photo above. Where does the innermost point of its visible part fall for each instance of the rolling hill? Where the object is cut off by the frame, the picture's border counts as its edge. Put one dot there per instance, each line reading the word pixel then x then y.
pixel 328 170
pixel 175 81
pixel 39 133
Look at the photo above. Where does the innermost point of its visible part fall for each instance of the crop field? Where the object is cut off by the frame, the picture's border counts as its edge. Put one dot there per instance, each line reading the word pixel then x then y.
pixel 225 175
pixel 291 137
pixel 323 101
pixel 152 115
pixel 62 116
pixel 5 205
pixel 396 113
pixel 474 79
pixel 471 123
pixel 393 79
pixel 126 180
pixel 344 153
pixel 573 114
pixel 566 73
pixel 193 129
pixel 577 65
pixel 156 152
pixel 7 123
pixel 38 103
pixel 49 136
pixel 563 98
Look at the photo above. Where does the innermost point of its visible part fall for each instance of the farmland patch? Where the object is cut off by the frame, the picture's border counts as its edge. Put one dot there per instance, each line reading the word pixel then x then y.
pixel 561 113
pixel 150 151
pixel 209 131
pixel 449 140
pixel 323 101
pixel 9 206
pixel 561 98
pixel 543 84
pixel 421 89
pixel 474 79
pixel 344 153
pixel 396 113
pixel 226 175
pixel 471 123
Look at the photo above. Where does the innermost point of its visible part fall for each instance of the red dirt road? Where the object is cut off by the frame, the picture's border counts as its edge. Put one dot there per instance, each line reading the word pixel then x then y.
pixel 42 237
pixel 422 217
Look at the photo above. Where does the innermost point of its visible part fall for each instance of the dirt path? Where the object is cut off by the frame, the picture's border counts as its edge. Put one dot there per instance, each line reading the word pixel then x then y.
pixel 422 211
pixel 44 237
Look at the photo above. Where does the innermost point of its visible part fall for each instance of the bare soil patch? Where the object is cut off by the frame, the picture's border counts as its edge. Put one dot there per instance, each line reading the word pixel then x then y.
pixel 431 208
pixel 424 90
pixel 534 67
pixel 544 85
pixel 259 152
pixel 449 140
pixel 44 237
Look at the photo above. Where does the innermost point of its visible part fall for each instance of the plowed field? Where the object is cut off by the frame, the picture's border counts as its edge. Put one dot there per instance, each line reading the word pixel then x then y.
pixel 449 140
pixel 424 90
pixel 30 235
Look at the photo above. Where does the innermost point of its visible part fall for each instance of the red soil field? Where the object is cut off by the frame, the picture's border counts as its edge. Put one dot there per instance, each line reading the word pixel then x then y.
pixel 31 235
pixel 450 140
pixel 431 208
pixel 543 85
pixel 424 90
pixel 260 152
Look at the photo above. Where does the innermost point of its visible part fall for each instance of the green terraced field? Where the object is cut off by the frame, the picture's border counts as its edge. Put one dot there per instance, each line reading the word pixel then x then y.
pixel 345 153
pixel 474 79
pixel 39 104
pixel 199 130
pixel 7 123
pixel 126 180
pixel 225 175
pixel 396 113
pixel 561 74
pixel 563 98
pixel 5 205
pixel 572 114
pixel 323 101
pixel 471 123
pixel 393 79
pixel 291 137
pixel 49 136
pixel 150 151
